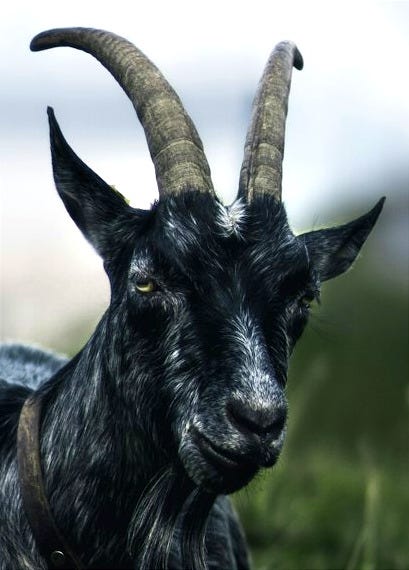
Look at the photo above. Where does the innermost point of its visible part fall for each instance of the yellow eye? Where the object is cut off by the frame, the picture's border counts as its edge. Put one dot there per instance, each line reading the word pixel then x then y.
pixel 146 286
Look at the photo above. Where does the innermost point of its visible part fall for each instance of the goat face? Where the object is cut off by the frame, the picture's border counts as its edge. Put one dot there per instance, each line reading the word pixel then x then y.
pixel 207 300
pixel 212 282
pixel 224 294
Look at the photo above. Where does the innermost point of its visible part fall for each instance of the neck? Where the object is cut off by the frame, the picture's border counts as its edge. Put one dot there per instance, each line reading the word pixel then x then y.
pixel 113 489
pixel 95 461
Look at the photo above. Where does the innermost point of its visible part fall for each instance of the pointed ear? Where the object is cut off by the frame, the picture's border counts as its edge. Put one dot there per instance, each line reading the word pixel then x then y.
pixel 97 209
pixel 333 250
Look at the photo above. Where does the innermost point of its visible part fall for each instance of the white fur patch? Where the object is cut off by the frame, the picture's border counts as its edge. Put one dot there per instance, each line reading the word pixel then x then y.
pixel 142 265
pixel 230 218
pixel 252 370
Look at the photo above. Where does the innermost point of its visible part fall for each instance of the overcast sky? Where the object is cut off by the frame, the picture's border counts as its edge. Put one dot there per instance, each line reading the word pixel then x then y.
pixel 347 130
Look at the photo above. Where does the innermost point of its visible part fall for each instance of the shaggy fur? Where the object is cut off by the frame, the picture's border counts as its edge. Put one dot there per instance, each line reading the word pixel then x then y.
pixel 179 397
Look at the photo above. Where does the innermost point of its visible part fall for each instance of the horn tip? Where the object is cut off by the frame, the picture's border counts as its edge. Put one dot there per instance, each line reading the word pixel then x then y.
pixel 292 50
pixel 37 43
pixel 298 59
pixel 54 38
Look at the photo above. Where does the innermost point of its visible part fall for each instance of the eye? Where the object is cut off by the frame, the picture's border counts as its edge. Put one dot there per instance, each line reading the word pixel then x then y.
pixel 306 299
pixel 146 286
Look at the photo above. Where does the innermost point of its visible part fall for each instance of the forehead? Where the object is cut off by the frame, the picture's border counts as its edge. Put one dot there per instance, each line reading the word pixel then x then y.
pixel 198 234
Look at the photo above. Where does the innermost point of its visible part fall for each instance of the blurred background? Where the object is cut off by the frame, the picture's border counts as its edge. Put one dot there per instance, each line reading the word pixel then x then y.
pixel 339 497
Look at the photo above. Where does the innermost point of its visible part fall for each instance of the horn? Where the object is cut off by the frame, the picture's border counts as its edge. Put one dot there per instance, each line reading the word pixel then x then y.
pixel 261 171
pixel 174 144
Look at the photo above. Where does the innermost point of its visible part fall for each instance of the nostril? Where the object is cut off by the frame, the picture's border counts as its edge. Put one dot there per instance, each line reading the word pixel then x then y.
pixel 266 420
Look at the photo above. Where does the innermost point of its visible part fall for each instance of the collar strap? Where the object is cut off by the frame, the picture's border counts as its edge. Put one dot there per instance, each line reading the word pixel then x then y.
pixel 50 542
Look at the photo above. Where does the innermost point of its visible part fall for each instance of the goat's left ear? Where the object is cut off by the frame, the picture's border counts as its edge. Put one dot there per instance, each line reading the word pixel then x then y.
pixel 333 250
pixel 99 211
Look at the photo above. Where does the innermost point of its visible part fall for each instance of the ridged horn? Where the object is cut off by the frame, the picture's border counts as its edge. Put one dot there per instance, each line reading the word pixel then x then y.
pixel 261 171
pixel 174 144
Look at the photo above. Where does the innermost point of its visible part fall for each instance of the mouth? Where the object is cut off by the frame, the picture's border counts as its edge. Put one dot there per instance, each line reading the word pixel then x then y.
pixel 215 455
pixel 225 471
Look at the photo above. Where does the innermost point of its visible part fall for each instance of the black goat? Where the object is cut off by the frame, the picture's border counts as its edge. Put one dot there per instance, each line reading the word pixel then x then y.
pixel 178 398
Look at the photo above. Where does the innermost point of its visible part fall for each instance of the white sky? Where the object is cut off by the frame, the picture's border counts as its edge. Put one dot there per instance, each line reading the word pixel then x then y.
pixel 347 130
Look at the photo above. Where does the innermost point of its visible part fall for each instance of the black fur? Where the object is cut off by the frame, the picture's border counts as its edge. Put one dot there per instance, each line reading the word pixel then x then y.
pixel 178 398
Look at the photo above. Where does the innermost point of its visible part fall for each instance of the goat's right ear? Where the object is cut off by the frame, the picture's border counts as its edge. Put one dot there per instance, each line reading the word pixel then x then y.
pixel 97 209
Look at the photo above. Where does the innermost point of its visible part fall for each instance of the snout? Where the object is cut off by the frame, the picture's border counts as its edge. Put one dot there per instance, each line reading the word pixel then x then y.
pixel 225 453
pixel 257 420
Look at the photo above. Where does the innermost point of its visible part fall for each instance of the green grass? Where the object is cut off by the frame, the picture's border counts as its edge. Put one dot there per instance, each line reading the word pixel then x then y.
pixel 323 512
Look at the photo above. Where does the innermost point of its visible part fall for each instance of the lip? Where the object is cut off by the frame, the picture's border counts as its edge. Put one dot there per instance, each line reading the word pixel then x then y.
pixel 218 457
pixel 214 468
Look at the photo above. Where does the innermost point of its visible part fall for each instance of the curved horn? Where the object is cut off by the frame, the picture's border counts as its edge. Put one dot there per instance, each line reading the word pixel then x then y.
pixel 261 171
pixel 174 144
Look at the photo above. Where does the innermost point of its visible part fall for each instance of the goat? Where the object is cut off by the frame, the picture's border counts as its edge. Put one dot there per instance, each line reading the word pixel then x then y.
pixel 178 398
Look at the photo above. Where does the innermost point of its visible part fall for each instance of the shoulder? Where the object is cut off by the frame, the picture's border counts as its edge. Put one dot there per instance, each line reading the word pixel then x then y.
pixel 27 365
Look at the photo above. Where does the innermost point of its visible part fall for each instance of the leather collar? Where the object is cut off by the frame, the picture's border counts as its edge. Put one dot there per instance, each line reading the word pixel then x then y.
pixel 50 542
